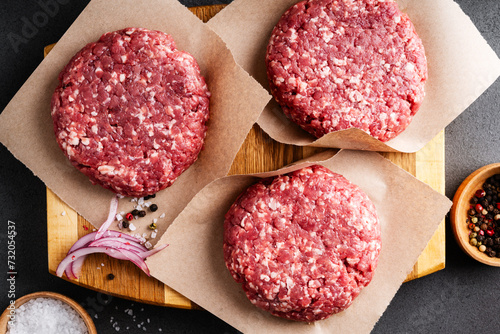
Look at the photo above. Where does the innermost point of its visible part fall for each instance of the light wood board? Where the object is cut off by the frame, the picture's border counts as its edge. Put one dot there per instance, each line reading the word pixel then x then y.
pixel 258 153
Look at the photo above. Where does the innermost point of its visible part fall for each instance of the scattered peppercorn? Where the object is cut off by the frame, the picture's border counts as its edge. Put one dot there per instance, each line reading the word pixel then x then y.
pixel 124 224
pixel 153 207
pixel 135 212
pixel 484 216
pixel 141 213
pixel 111 277
pixel 152 226
pixel 129 216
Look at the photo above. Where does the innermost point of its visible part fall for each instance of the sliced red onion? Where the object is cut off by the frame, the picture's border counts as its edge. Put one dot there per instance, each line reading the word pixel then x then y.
pixel 136 259
pixel 71 257
pixel 113 208
pixel 87 239
pixel 119 243
pixel 113 243
pixel 152 251
pixel 75 268
pixel 82 242
pixel 119 254
pixel 69 272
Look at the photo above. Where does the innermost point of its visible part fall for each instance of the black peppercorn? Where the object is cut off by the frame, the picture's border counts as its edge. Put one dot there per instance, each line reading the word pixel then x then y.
pixel 153 207
pixel 135 212
pixel 125 224
pixel 111 277
pixel 141 213
pixel 483 218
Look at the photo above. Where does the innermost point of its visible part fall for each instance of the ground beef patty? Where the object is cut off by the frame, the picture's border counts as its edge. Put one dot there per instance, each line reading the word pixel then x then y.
pixel 130 111
pixel 334 65
pixel 304 244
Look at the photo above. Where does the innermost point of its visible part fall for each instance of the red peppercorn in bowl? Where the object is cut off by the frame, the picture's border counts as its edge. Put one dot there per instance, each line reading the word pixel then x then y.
pixel 475 215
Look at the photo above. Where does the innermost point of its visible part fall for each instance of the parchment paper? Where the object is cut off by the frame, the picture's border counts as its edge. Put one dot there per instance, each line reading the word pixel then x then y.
pixel 460 62
pixel 193 263
pixel 237 100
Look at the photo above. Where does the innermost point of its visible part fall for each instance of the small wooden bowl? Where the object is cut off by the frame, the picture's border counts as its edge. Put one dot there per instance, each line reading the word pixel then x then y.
pixel 459 209
pixel 4 318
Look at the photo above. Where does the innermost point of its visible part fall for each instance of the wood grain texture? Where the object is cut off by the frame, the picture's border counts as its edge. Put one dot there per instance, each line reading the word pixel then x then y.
pixel 259 153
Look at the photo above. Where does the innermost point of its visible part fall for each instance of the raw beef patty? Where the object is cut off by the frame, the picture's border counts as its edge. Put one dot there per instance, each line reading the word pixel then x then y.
pixel 334 65
pixel 302 245
pixel 130 111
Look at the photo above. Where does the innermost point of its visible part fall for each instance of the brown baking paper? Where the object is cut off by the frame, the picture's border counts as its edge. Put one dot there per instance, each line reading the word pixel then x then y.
pixel 461 67
pixel 193 263
pixel 237 100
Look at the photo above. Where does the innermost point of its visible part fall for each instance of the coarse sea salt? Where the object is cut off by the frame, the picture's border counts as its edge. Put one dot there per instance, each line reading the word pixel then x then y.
pixel 46 316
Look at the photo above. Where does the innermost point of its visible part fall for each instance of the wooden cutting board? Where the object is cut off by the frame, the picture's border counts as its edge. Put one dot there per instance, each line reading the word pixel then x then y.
pixel 258 153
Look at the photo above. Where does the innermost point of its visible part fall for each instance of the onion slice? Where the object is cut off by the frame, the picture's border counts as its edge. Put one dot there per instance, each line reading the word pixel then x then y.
pixel 113 208
pixel 153 251
pixel 87 239
pixel 75 268
pixel 113 243
pixel 136 259
pixel 120 254
pixel 119 243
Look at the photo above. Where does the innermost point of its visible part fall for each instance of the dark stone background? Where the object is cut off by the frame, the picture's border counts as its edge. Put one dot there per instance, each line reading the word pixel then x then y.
pixel 462 298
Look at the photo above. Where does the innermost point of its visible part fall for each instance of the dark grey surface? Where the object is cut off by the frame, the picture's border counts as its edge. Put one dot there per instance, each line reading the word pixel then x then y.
pixel 462 298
